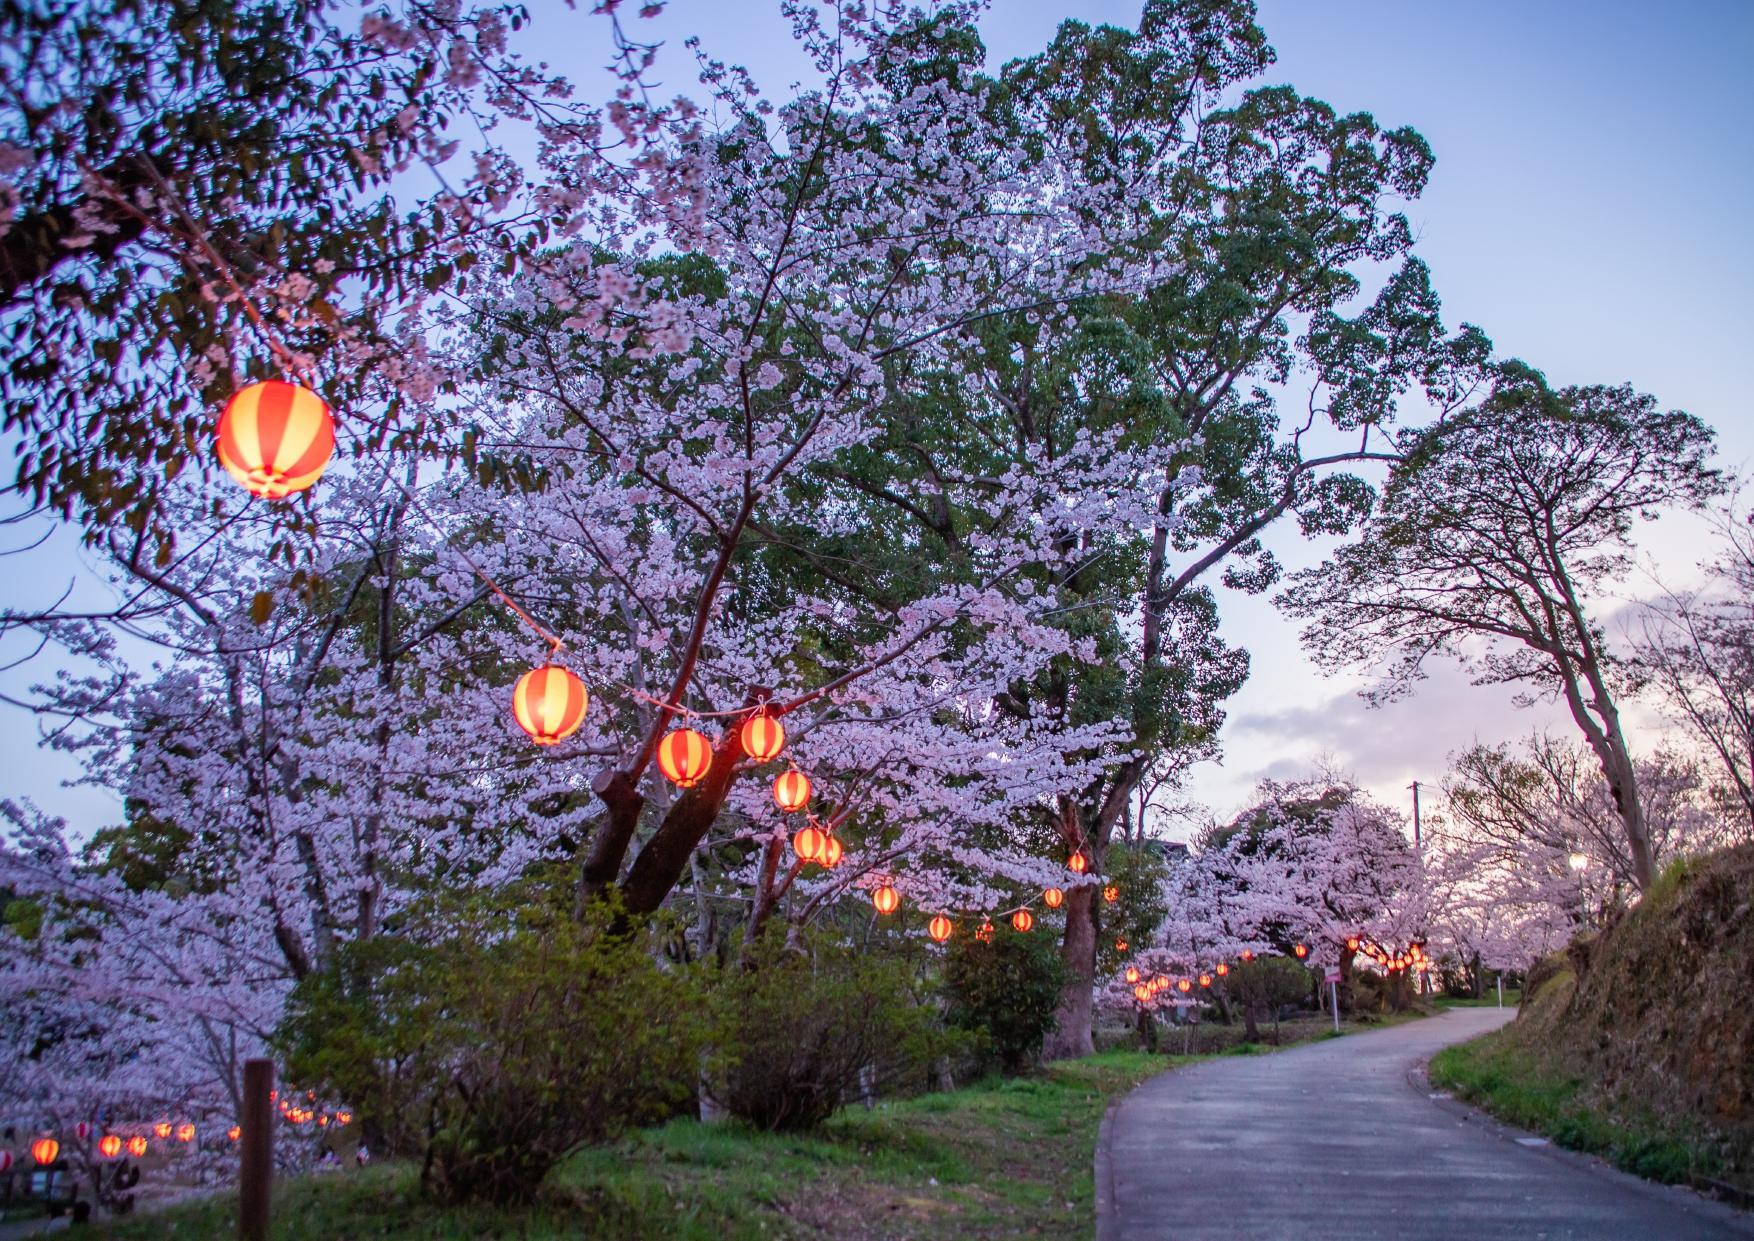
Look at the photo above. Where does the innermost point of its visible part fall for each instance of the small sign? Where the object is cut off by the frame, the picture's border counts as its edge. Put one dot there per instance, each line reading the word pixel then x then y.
pixel 1331 974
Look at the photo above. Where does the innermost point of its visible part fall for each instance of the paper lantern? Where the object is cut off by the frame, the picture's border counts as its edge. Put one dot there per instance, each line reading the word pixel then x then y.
pixel 684 756
pixel 1205 980
pixel 985 931
pixel 808 843
pixel 549 703
pixel 1132 973
pixel 1247 955
pixel 344 1118
pixel 137 1146
pixel 109 1146
pixel 1183 985
pixel 185 1133
pixel 831 853
pixel 276 438
pixel 45 1151
pixel 1053 897
pixel 887 899
pixel 1142 993
pixel 82 1130
pixel 1302 951
pixel 1161 982
pixel 1111 894
pixel 162 1129
pixel 1120 945
pixel 1352 943
pixel 234 1133
pixel 763 738
pixel 1078 863
pixel 791 791
pixel 1022 920
pixel 939 928
pixel 1222 969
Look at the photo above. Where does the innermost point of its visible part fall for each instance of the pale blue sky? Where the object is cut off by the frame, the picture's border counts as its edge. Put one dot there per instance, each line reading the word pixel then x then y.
pixel 1590 209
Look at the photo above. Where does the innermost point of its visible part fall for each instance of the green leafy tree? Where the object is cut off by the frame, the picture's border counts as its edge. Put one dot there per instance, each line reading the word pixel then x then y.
pixel 1006 991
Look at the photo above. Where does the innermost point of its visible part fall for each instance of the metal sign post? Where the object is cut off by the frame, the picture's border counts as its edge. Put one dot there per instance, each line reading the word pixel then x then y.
pixel 1331 976
pixel 1501 990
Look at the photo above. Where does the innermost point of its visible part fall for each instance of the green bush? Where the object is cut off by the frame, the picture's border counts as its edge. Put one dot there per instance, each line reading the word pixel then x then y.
pixel 495 1036
pixel 807 1028
pixel 1006 992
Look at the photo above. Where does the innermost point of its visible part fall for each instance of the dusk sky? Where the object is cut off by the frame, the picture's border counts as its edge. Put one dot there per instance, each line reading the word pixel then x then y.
pixel 1590 210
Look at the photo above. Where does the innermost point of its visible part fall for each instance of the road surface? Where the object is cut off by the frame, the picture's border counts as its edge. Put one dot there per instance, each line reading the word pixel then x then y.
pixel 1342 1139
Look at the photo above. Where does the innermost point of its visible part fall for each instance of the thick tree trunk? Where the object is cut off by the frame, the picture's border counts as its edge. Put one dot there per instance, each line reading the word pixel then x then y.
pixel 1072 1035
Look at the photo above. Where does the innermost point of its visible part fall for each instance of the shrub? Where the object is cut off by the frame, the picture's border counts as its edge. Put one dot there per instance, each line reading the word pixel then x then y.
pixel 496 1036
pixel 1265 986
pixel 1006 992
pixel 808 1027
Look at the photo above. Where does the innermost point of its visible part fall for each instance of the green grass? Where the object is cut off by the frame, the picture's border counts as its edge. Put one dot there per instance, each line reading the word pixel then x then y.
pixel 1512 997
pixel 1534 1093
pixel 999 1158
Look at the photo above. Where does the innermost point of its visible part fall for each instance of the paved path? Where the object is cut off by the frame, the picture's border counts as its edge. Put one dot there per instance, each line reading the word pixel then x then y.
pixel 1333 1140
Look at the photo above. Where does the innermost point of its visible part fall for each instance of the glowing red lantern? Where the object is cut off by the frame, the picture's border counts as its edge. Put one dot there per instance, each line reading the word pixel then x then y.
pixel 344 1118
pixel 886 898
pixel 791 791
pixel 109 1146
pixel 1132 973
pixel 234 1133
pixel 939 928
pixel 831 853
pixel 808 844
pixel 185 1133
pixel 1247 955
pixel 763 738
pixel 1120 945
pixel 276 438
pixel 985 932
pixel 1160 983
pixel 45 1151
pixel 1222 969
pixel 1078 863
pixel 549 704
pixel 1022 920
pixel 137 1146
pixel 1352 943
pixel 1183 985
pixel 1111 894
pixel 1205 980
pixel 1142 994
pixel 1302 951
pixel 684 756
pixel 162 1129
pixel 1053 897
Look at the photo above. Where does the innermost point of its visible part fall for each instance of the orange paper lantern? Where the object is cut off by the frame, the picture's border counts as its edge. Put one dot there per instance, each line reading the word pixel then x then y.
pixel 45 1151
pixel 549 703
pixel 1111 894
pixel 939 928
pixel 762 737
pixel 1078 863
pixel 808 844
pixel 1120 945
pixel 136 1146
pixel 162 1129
pixel 831 853
pixel 1205 980
pixel 1223 969
pixel 234 1133
pixel 1302 951
pixel 1053 897
pixel 109 1146
pixel 1132 973
pixel 791 791
pixel 1022 920
pixel 1183 985
pixel 684 756
pixel 1142 993
pixel 1247 955
pixel 343 1118
pixel 1352 943
pixel 185 1133
pixel 984 932
pixel 276 438
pixel 887 899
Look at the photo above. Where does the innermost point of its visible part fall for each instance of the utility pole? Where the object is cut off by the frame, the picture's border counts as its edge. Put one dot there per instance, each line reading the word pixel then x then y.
pixel 1416 844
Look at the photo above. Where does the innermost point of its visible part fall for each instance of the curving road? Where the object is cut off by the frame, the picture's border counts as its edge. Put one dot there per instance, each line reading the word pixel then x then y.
pixel 1343 1139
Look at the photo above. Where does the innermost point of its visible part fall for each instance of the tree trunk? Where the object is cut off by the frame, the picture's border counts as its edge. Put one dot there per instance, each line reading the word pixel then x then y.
pixel 1072 1035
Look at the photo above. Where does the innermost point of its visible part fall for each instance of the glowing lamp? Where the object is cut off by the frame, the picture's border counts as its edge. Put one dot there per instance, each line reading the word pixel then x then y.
pixel 985 932
pixel 791 791
pixel 276 438
pixel 1205 980
pixel 1183 985
pixel 1120 945
pixel 1132 973
pixel 1111 894
pixel 1222 969
pixel 234 1133
pixel 763 737
pixel 1160 983
pixel 1022 920
pixel 185 1133
pixel 1142 993
pixel 886 898
pixel 549 704
pixel 939 928
pixel 684 756
pixel 1053 898
pixel 1078 863
pixel 831 853
pixel 1302 951
pixel 808 844
pixel 45 1151
pixel 162 1129
pixel 344 1118
pixel 109 1146
pixel 1352 943
pixel 137 1145
pixel 1247 955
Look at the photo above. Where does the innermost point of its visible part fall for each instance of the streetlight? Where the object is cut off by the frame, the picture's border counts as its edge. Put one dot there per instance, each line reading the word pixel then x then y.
pixel 1578 862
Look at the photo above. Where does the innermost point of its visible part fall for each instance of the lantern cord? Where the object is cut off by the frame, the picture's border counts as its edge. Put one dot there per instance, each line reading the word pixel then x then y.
pixel 689 712
pixel 555 643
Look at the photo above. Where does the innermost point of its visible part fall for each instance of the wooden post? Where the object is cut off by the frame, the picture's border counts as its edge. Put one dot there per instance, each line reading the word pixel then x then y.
pixel 256 1151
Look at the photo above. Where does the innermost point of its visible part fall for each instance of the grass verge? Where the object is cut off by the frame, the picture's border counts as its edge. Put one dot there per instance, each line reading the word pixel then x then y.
pixel 1536 1093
